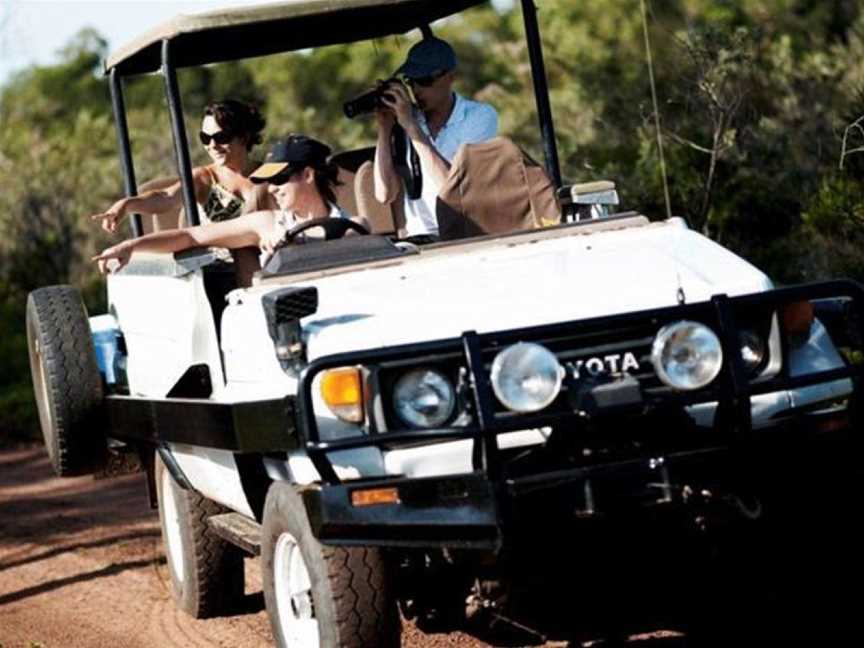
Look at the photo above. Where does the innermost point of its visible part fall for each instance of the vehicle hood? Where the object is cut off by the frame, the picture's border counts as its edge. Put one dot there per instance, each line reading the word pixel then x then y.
pixel 513 285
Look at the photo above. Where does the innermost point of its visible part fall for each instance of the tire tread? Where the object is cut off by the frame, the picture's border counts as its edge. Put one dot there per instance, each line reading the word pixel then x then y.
pixel 56 317
pixel 356 580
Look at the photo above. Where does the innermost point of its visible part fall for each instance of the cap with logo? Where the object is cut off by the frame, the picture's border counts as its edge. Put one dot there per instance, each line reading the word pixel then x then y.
pixel 295 152
pixel 428 57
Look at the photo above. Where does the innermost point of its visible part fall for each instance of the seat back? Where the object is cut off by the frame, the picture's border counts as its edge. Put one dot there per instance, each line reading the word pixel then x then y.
pixel 494 187
pixel 344 191
pixel 382 218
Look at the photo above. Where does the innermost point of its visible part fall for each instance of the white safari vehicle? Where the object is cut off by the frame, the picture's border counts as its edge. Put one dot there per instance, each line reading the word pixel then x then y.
pixel 440 430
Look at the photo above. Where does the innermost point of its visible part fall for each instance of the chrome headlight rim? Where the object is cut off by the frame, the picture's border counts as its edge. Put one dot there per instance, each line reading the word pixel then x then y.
pixel 419 373
pixel 498 377
pixel 747 340
pixel 665 336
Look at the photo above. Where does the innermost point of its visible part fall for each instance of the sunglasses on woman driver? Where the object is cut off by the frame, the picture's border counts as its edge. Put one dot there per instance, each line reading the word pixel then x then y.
pixel 221 137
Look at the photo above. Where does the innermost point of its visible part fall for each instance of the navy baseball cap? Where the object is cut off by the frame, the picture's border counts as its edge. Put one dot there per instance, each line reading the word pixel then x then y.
pixel 294 151
pixel 429 56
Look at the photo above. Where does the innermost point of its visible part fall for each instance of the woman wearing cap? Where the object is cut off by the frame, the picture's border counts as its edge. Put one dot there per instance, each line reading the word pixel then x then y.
pixel 229 131
pixel 300 179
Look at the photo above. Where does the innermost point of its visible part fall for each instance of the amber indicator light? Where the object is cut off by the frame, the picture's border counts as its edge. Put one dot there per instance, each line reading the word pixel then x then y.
pixel 373 496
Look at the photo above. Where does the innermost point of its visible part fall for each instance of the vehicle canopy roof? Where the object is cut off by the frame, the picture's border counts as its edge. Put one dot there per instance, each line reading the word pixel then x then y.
pixel 258 30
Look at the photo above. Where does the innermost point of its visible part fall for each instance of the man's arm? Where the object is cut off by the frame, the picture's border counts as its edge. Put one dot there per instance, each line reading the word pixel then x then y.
pixel 431 161
pixel 386 179
pixel 483 126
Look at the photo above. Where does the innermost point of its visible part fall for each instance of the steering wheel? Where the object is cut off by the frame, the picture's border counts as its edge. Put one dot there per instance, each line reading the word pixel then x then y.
pixel 334 228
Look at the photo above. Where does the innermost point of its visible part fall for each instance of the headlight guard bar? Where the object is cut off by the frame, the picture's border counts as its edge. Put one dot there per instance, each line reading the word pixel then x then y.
pixel 732 389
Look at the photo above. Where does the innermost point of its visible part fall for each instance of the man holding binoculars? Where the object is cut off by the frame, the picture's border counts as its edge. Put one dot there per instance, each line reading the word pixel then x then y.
pixel 436 124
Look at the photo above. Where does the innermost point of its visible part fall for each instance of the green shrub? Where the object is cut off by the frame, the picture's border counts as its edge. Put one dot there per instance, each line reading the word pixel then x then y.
pixel 18 417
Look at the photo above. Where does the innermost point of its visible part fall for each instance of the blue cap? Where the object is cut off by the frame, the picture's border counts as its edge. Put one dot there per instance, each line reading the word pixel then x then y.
pixel 429 56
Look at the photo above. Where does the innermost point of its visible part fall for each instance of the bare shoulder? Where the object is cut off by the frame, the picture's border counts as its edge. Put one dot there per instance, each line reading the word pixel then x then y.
pixel 203 174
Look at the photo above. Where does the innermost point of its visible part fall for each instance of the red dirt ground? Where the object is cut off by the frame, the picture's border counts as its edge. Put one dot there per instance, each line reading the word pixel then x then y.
pixel 82 566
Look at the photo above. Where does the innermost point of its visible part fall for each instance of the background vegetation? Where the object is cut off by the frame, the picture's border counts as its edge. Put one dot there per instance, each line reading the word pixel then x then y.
pixel 760 101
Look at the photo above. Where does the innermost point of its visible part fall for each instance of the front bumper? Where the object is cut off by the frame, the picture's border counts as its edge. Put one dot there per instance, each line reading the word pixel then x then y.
pixel 720 471
pixel 471 511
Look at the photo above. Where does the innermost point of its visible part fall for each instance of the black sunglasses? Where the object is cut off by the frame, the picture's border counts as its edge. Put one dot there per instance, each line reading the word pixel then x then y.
pixel 425 82
pixel 221 137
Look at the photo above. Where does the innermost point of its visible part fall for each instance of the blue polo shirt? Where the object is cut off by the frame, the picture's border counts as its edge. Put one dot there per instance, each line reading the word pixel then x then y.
pixel 469 122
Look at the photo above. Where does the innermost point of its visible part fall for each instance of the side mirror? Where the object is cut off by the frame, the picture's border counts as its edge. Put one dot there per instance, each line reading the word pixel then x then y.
pixel 588 200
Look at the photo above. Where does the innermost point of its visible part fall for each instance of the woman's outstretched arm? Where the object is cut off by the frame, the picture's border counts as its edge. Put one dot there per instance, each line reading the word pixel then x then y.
pixel 157 201
pixel 239 232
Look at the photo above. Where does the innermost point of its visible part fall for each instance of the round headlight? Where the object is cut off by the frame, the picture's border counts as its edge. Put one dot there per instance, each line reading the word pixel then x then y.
pixel 686 355
pixel 752 350
pixel 526 377
pixel 423 398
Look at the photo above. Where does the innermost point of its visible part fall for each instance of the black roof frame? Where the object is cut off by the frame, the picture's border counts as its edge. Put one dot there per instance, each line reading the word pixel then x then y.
pixel 171 60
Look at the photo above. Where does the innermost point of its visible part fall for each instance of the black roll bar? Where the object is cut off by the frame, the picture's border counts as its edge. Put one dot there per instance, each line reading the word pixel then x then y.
pixel 126 166
pixel 541 90
pixel 181 147
pixel 181 144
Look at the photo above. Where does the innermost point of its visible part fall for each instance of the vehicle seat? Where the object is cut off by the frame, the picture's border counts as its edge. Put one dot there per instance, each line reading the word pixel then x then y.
pixel 348 162
pixel 495 187
pixel 344 191
pixel 382 218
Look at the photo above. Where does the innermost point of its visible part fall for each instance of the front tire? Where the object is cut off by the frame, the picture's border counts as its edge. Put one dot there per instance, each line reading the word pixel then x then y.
pixel 66 380
pixel 319 596
pixel 207 575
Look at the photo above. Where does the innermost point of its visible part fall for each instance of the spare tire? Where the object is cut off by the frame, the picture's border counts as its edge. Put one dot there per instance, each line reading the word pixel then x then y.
pixel 66 380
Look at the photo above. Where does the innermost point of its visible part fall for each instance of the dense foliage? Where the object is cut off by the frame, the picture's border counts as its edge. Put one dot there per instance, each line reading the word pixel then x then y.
pixel 760 104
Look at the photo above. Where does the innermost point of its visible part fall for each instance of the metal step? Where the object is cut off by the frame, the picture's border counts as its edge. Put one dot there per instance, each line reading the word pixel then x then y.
pixel 238 530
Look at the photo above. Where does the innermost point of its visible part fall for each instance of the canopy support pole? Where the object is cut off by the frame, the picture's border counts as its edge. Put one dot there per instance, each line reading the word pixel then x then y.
pixel 126 166
pixel 541 90
pixel 181 144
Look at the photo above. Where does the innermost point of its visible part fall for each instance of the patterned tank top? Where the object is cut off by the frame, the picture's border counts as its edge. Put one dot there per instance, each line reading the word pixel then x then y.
pixel 221 205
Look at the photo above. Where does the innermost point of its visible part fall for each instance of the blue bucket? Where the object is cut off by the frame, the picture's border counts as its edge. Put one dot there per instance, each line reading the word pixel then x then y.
pixel 103 329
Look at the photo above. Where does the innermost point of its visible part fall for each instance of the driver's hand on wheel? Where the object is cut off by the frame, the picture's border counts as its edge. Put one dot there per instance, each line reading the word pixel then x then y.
pixel 272 242
pixel 120 252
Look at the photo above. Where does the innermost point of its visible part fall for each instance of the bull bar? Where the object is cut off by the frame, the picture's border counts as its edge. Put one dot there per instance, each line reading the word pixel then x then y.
pixel 476 509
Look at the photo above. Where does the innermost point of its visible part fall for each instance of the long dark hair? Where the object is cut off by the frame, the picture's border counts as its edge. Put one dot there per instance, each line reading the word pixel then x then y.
pixel 326 179
pixel 239 118
pixel 326 172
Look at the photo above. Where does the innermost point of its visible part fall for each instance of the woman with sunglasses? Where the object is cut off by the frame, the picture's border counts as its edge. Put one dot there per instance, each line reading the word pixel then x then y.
pixel 229 131
pixel 298 177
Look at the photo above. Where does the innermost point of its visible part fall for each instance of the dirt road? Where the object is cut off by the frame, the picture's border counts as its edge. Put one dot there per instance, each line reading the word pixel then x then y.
pixel 81 565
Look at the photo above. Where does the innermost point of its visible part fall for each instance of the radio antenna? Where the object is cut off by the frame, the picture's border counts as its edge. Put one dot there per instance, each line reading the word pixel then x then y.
pixel 656 109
